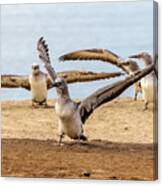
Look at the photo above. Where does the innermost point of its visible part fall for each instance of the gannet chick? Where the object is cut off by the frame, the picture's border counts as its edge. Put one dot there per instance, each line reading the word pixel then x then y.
pixel 148 83
pixel 68 113
pixel 38 85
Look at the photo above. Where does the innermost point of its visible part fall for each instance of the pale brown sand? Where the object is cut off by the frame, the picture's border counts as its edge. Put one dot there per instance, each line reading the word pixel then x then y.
pixel 120 145
pixel 122 120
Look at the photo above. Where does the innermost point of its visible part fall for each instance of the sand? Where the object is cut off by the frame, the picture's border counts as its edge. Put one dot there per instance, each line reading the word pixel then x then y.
pixel 120 142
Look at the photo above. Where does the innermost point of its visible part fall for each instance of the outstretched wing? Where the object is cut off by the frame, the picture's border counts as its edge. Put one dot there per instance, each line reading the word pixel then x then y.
pixel 15 81
pixel 108 93
pixel 22 81
pixel 86 76
pixel 43 51
pixel 95 54
pixel 83 76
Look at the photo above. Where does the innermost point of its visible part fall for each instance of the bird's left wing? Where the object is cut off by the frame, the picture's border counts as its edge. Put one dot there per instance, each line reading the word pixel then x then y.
pixel 43 51
pixel 108 93
pixel 75 76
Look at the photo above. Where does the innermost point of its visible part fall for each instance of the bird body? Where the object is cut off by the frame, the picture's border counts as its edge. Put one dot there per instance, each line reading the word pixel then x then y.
pixel 147 84
pixel 38 86
pixel 69 118
pixel 68 112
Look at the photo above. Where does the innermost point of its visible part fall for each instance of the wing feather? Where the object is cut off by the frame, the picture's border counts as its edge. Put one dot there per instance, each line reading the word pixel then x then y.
pixel 108 93
pixel 95 54
pixel 15 81
pixel 22 81
pixel 85 76
pixel 43 51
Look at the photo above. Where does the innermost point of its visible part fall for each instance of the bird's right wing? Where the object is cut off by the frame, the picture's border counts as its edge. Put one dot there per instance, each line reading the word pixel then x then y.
pixel 15 81
pixel 43 51
pixel 108 93
pixel 22 81
pixel 95 54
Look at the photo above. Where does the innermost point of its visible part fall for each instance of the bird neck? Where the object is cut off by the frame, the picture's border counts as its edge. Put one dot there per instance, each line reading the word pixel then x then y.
pixel 148 60
pixel 133 68
pixel 36 74
pixel 63 93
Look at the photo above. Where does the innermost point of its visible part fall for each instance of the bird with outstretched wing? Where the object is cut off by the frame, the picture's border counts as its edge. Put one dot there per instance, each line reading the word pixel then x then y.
pixel 72 116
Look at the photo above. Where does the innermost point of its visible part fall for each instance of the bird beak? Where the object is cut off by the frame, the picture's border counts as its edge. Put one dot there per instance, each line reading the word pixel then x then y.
pixel 137 56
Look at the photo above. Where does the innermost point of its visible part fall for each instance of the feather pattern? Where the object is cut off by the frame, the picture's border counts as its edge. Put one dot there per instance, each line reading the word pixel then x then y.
pixel 109 92
pixel 95 54
pixel 43 51
pixel 22 81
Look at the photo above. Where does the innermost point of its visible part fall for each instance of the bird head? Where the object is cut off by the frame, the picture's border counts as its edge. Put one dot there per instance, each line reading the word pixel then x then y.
pixel 144 56
pixel 35 69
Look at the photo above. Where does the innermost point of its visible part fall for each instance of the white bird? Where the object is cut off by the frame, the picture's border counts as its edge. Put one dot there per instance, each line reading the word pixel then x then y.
pixel 104 55
pixel 149 82
pixel 38 85
pixel 71 115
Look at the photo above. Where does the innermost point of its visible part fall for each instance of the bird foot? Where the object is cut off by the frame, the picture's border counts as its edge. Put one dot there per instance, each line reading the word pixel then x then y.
pixel 37 105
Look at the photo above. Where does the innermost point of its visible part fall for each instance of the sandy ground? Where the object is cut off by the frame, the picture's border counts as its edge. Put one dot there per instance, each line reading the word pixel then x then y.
pixel 120 143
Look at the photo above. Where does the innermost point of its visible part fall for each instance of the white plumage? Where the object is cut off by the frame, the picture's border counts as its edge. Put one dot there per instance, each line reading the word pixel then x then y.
pixel 38 85
pixel 148 87
pixel 69 119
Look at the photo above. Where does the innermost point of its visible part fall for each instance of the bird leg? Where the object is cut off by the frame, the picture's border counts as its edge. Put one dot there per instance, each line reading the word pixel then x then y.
pixel 135 97
pixel 146 105
pixel 60 139
pixel 79 140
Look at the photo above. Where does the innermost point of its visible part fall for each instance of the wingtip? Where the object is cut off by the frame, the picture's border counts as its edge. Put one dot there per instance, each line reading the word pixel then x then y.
pixel 41 39
pixel 61 59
